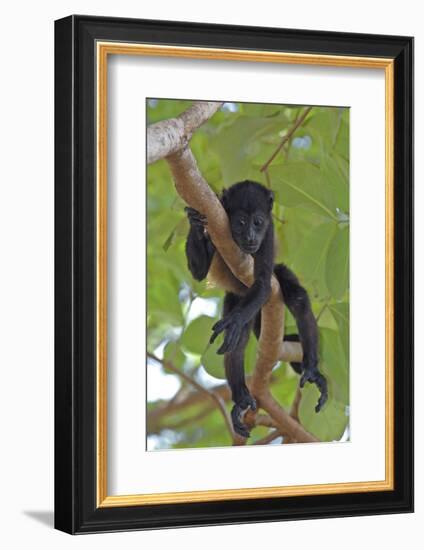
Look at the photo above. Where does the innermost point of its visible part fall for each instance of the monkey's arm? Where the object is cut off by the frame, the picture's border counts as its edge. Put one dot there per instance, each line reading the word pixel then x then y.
pixel 252 301
pixel 199 247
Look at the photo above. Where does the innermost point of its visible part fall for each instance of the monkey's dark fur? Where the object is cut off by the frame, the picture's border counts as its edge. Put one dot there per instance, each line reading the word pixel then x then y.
pixel 248 205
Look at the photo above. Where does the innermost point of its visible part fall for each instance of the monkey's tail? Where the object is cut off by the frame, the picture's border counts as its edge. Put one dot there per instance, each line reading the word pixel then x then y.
pixel 297 367
pixel 290 285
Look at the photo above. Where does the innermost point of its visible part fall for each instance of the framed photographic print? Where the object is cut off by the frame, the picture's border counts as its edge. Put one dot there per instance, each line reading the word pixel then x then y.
pixel 234 269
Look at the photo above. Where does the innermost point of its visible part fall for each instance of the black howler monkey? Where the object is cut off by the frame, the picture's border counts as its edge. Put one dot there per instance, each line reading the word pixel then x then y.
pixel 248 205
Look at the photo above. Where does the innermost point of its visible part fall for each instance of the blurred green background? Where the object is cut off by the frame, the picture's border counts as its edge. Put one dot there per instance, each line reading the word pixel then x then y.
pixel 310 179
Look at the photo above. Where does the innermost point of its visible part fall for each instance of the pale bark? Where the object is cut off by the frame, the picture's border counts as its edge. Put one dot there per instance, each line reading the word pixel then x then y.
pixel 168 136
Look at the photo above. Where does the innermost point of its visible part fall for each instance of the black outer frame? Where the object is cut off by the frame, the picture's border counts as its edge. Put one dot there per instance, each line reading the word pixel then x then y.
pixel 75 274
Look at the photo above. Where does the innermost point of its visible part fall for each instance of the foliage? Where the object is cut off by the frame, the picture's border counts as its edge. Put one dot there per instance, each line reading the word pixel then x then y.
pixel 310 179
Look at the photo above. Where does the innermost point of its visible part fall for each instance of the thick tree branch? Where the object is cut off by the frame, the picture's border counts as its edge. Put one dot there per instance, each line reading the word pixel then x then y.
pixel 294 413
pixel 168 136
pixel 284 421
pixel 294 410
pixel 195 191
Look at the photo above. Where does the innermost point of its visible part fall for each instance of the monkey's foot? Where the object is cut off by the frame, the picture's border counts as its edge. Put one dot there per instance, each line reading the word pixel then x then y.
pixel 313 376
pixel 238 412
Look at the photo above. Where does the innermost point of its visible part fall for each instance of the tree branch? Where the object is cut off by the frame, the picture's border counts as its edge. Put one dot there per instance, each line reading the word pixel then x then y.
pixel 268 438
pixel 168 136
pixel 294 413
pixel 294 410
pixel 264 420
pixel 286 138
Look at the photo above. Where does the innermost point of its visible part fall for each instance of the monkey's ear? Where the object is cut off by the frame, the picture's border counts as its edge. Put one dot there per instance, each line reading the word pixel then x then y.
pixel 271 199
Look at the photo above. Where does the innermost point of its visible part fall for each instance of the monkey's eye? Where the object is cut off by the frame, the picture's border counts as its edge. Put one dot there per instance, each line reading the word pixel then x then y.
pixel 258 222
pixel 242 221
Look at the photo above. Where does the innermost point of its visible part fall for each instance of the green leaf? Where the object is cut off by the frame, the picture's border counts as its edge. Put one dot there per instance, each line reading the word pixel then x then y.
pixel 171 265
pixel 330 423
pixel 181 229
pixel 340 312
pixel 238 144
pixel 324 125
pixel 163 302
pixel 261 109
pixel 196 336
pixel 337 180
pixel 207 432
pixel 301 184
pixel 284 385
pixel 326 320
pixel 334 364
pixel 173 353
pixel 214 363
pixel 341 145
pixel 232 143
pixel 161 109
pixel 337 269
pixel 311 260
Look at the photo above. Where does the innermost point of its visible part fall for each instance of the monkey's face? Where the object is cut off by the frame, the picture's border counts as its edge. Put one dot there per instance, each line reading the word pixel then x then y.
pixel 249 229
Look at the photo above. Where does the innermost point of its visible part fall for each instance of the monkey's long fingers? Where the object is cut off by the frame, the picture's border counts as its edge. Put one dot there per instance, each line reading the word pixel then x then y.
pixel 231 340
pixel 236 416
pixel 321 402
pixel 213 337
pixel 303 379
pixel 252 404
pixel 315 377
pixel 311 375
pixel 218 328
pixel 321 384
pixel 216 331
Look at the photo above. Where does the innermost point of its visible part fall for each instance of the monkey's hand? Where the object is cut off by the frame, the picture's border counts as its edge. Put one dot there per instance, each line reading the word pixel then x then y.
pixel 197 220
pixel 312 375
pixel 233 326
pixel 237 414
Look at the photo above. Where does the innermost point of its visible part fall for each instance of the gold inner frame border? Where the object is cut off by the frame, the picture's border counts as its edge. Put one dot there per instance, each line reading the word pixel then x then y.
pixel 103 50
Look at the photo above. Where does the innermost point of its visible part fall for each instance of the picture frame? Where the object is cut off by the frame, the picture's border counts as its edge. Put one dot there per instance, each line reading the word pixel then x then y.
pixel 82 47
